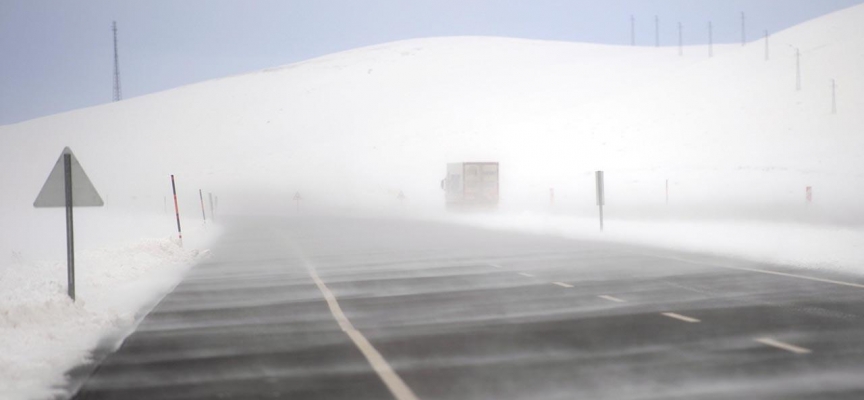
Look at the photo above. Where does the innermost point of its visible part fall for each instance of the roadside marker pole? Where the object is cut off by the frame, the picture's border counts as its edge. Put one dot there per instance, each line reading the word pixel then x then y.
pixel 297 199
pixel 177 210
pixel 212 214
pixel 710 39
pixel 797 69
pixel 601 198
pixel 203 213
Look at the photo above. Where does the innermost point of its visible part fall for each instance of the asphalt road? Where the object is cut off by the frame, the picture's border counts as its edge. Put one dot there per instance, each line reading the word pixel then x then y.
pixel 334 308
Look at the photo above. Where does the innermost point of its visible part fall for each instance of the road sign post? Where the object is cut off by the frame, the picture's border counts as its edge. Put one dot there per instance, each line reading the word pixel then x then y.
pixel 58 192
pixel 297 199
pixel 70 231
pixel 601 196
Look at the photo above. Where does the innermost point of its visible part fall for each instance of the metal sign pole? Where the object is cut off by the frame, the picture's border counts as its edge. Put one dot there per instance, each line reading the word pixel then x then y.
pixel 70 237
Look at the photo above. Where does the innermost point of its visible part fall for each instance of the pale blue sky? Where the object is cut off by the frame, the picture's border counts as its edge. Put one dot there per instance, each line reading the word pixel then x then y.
pixel 57 54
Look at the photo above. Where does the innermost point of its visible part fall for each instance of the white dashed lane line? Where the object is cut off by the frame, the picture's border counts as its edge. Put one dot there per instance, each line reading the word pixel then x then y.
pixel 680 317
pixel 781 345
pixel 610 298
pixel 767 341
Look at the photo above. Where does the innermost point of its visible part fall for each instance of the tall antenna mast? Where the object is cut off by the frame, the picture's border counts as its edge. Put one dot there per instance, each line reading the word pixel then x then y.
pixel 118 95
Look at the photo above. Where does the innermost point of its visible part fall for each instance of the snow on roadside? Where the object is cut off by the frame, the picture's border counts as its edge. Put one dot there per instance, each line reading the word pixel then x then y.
pixel 43 334
pixel 822 247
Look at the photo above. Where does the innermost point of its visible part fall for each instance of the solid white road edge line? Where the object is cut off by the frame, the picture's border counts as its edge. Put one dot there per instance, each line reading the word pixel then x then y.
pixel 680 317
pixel 526 275
pixel 781 345
pixel 761 271
pixel 562 284
pixel 809 278
pixel 610 298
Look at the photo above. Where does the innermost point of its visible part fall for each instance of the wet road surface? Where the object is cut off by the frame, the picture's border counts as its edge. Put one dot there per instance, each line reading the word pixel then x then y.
pixel 329 308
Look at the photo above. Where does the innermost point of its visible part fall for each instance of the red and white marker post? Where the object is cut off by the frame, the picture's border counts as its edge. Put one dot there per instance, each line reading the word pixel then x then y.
pixel 177 210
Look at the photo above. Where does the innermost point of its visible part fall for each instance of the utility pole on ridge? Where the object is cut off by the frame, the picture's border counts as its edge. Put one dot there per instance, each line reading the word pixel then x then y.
pixel 118 95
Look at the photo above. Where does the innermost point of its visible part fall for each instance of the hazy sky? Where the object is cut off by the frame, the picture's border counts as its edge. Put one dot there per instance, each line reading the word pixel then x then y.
pixel 57 55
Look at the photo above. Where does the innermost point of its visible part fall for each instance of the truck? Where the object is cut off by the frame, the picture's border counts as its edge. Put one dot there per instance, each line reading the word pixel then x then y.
pixel 471 186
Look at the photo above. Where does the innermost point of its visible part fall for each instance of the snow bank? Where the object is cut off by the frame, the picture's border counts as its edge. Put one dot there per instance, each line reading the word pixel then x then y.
pixel 43 334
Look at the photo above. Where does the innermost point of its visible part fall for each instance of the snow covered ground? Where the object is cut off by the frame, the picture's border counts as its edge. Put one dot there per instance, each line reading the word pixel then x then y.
pixel 43 333
pixel 830 248
pixel 734 139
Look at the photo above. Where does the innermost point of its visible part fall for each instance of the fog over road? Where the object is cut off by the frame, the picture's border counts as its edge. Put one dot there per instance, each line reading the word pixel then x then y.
pixel 363 308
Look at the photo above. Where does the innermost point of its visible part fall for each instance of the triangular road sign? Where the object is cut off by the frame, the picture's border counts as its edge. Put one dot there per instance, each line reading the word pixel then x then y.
pixel 53 193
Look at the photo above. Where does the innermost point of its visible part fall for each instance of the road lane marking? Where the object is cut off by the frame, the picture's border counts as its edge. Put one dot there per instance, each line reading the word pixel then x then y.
pixel 681 317
pixel 496 266
pixel 610 298
pixel 397 386
pixel 526 275
pixel 781 345
pixel 810 278
pixel 562 284
pixel 761 271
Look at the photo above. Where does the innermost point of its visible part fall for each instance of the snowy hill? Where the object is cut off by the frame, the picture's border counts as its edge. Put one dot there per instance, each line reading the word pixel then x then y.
pixel 349 127
pixel 352 129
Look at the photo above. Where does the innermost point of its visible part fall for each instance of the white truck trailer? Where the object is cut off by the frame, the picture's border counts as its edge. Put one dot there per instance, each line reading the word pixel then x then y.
pixel 471 185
